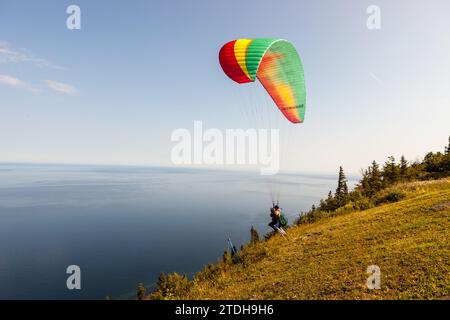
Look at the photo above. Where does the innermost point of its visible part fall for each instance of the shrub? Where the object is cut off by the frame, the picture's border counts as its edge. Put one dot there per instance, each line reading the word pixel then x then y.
pixel 171 286
pixel 392 196
pixel 140 292
pixel 363 203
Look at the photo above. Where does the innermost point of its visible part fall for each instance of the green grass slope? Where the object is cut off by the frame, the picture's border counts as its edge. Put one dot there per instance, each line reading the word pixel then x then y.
pixel 409 240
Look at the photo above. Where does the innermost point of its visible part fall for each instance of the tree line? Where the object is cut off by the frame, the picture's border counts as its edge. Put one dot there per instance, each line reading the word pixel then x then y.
pixel 375 178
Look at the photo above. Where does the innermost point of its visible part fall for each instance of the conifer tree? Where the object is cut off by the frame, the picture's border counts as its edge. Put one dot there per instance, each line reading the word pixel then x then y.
pixel 330 196
pixel 162 284
pixel 140 291
pixel 330 203
pixel 447 149
pixel 390 172
pixel 341 194
pixel 403 168
pixel 375 182
pixel 364 185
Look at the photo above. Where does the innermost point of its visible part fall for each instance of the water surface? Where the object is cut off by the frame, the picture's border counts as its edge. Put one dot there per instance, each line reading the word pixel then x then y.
pixel 125 225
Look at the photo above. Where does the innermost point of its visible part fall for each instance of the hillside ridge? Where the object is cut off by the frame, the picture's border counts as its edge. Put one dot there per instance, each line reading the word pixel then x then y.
pixel 408 240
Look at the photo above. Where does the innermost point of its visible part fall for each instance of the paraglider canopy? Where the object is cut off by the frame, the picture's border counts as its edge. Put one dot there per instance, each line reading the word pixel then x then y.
pixel 276 64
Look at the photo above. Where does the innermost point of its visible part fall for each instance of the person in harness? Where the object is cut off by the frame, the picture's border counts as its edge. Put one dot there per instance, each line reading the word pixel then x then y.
pixel 279 220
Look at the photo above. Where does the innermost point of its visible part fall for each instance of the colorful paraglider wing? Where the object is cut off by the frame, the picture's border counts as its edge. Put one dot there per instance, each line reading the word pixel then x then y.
pixel 276 64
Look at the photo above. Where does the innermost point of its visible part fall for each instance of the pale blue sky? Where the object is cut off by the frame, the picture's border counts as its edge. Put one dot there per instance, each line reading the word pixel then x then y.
pixel 114 91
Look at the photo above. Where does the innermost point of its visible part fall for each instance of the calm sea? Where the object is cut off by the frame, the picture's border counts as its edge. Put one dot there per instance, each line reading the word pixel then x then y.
pixel 125 225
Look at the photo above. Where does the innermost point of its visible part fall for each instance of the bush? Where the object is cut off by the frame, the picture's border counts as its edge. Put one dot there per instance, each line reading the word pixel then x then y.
pixel 349 207
pixel 363 203
pixel 393 196
pixel 171 286
pixel 140 291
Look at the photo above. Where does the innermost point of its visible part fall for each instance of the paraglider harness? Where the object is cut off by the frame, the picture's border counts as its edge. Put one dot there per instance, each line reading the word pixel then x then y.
pixel 283 219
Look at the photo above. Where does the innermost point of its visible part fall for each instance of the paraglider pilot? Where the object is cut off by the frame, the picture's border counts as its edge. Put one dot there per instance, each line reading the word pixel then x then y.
pixel 275 215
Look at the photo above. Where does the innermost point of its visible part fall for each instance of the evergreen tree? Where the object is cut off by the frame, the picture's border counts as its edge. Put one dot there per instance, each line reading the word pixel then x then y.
pixel 141 291
pixel 364 185
pixel 322 205
pixel 390 172
pixel 162 284
pixel 330 203
pixel 375 183
pixel 403 169
pixel 341 194
pixel 254 236
pixel 447 149
pixel 330 197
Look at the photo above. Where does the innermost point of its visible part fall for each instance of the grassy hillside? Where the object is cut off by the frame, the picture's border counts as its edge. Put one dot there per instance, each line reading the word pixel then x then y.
pixel 409 240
